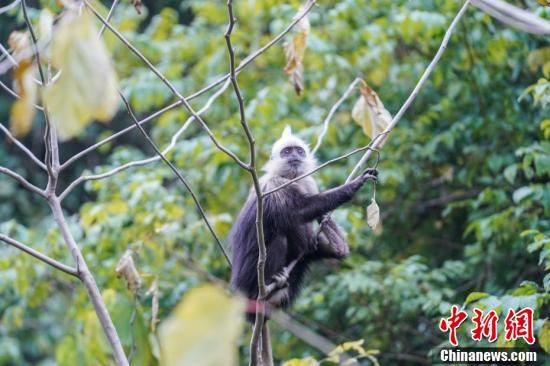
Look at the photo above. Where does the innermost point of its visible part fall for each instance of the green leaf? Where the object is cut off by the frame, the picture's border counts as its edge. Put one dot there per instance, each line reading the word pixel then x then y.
pixel 510 173
pixel 544 337
pixel 475 296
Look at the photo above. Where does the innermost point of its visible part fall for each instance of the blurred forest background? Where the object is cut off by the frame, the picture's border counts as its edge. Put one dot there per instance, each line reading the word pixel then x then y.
pixel 463 188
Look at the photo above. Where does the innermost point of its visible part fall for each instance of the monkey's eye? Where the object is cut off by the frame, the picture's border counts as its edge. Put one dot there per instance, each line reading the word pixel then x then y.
pixel 301 151
pixel 286 151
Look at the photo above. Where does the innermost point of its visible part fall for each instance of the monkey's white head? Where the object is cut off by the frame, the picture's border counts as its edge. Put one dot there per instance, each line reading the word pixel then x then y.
pixel 290 157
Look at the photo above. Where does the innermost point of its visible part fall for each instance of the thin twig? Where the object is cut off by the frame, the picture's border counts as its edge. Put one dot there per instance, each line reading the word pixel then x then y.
pixel 118 134
pixel 137 163
pixel 25 183
pixel 22 147
pixel 40 256
pixel 326 122
pixel 169 85
pixel 8 7
pixel 255 354
pixel 111 12
pixel 316 169
pixel 513 16
pixel 378 139
pixel 180 177
pixel 15 95
pixel 202 91
pixel 48 129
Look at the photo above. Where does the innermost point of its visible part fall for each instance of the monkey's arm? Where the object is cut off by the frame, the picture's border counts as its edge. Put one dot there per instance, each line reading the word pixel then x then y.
pixel 320 204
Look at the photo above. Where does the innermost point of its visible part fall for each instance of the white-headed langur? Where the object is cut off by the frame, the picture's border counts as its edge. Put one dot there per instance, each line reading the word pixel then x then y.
pixel 292 242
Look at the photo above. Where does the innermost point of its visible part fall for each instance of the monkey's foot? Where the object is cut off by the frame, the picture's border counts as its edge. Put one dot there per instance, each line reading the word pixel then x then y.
pixel 280 279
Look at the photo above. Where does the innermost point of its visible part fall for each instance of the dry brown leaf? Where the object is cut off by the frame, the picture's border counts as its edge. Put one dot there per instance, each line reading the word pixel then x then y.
pixel 373 214
pixel 126 269
pixel 154 290
pixel 137 5
pixel 369 112
pixel 294 51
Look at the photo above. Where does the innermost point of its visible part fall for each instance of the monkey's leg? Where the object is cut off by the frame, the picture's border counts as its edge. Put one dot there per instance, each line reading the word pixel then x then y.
pixel 280 279
pixel 331 242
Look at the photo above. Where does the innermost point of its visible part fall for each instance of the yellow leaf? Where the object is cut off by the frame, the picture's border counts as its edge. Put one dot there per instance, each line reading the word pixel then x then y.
pixel 127 270
pixel 369 112
pixel 87 87
pixel 373 214
pixel 22 111
pixel 538 58
pixel 203 329
pixel 308 361
pixel 294 51
pixel 544 336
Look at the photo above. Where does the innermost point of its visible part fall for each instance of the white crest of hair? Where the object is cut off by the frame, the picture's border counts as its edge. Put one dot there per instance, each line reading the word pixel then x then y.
pixel 277 171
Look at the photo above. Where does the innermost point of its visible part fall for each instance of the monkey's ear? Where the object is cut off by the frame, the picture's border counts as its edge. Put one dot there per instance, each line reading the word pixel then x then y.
pixel 287 131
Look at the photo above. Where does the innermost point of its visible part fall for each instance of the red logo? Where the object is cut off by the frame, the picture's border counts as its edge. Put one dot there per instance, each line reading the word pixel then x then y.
pixel 519 325
pixel 452 323
pixel 485 326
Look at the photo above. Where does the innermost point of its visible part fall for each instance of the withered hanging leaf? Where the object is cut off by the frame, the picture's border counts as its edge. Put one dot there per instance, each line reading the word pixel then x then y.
pixel 294 51
pixel 369 112
pixel 373 214
pixel 87 87
pixel 154 290
pixel 22 111
pixel 127 270
pixel 137 5
pixel 203 329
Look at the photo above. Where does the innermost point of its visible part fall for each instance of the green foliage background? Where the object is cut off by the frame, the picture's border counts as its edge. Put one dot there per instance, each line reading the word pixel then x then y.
pixel 463 189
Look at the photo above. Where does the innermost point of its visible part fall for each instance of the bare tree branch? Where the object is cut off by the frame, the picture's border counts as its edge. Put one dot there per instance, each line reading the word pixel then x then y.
pixel 89 282
pixel 25 183
pixel 514 16
pixel 169 85
pixel 118 134
pixel 313 171
pixel 48 128
pixel 150 160
pixel 256 356
pixel 22 147
pixel 180 177
pixel 378 139
pixel 197 94
pixel 8 7
pixel 44 258
pixel 15 95
pixel 108 19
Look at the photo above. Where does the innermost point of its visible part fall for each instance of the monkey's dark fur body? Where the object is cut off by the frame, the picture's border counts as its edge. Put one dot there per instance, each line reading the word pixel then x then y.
pixel 292 243
pixel 289 234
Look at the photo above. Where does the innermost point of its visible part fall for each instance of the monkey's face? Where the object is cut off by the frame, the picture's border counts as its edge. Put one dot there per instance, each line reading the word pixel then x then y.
pixel 294 159
pixel 293 155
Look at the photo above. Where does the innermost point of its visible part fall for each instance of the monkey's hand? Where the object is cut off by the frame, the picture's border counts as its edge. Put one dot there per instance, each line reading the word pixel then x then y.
pixel 358 182
pixel 370 173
